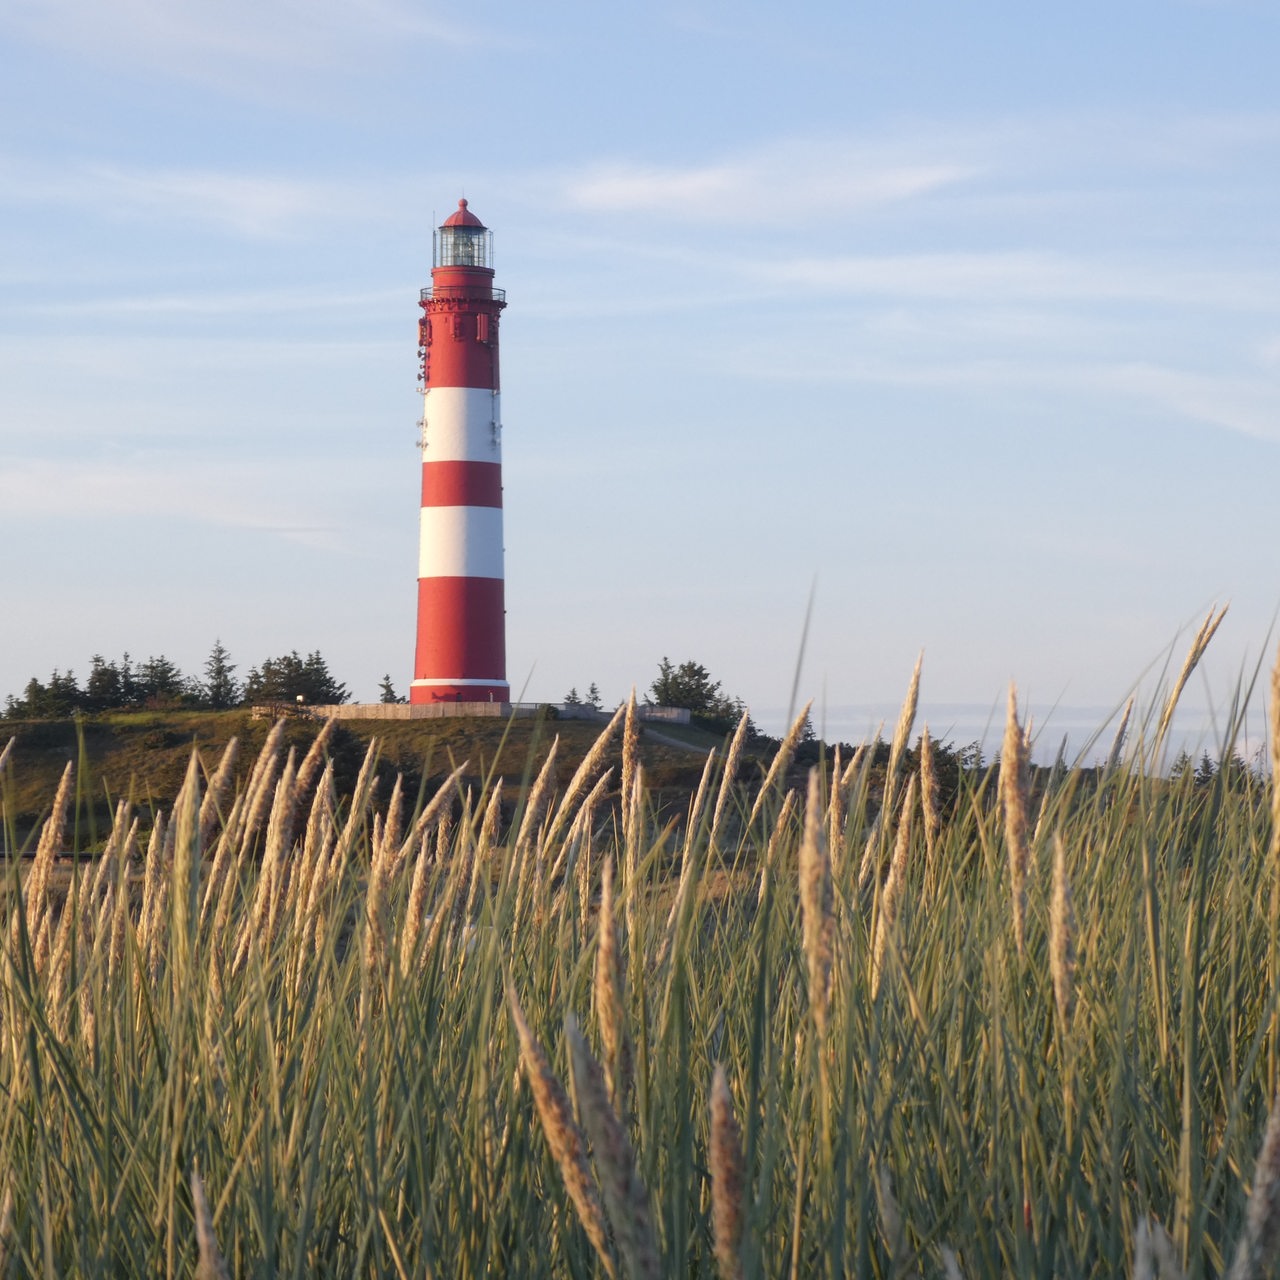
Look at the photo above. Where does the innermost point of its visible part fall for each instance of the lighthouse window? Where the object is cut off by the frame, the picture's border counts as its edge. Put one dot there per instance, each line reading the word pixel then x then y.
pixel 482 328
pixel 463 247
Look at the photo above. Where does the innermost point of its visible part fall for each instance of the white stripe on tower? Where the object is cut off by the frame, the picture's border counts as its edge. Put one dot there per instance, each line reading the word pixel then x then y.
pixel 461 425
pixel 461 542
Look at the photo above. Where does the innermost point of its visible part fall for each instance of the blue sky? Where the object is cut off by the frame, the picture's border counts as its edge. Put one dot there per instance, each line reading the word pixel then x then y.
pixel 965 316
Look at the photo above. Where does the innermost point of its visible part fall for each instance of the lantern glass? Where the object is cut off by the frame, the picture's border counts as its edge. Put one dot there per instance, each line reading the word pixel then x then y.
pixel 464 247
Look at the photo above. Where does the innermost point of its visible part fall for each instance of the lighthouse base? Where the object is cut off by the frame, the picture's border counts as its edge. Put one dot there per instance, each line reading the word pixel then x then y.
pixel 437 691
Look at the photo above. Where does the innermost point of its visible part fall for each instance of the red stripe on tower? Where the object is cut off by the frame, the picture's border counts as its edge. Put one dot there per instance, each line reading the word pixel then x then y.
pixel 461 653
pixel 462 484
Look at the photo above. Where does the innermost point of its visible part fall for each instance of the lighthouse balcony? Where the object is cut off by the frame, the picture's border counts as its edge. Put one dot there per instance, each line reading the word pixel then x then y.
pixel 457 291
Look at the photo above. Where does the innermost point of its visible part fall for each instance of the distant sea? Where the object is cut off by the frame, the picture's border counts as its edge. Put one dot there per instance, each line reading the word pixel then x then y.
pixel 1083 734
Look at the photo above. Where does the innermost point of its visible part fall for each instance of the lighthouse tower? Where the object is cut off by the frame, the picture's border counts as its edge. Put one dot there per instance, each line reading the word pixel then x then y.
pixel 461 654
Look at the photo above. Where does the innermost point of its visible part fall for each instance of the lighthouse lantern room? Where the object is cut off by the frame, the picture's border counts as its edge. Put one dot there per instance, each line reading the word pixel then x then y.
pixel 461 651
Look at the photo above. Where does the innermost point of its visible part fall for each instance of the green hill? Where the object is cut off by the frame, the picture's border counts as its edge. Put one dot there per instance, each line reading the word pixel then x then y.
pixel 142 756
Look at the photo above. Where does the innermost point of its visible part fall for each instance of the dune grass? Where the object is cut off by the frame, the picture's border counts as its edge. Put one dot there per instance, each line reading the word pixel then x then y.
pixel 814 1030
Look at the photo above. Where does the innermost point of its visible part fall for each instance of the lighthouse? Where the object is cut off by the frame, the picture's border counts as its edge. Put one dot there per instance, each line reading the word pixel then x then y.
pixel 461 651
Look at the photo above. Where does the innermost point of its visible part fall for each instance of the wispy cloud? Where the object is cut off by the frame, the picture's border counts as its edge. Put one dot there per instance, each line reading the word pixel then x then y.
pixel 791 183
pixel 253 205
pixel 1042 283
pixel 196 304
pixel 207 39
pixel 227 495
pixel 1021 275
pixel 1247 404
pixel 1250 406
pixel 1080 160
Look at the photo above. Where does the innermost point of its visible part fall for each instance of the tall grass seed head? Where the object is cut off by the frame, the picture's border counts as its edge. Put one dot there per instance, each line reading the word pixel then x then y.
pixel 816 906
pixel 1062 937
pixel 728 1180
pixel 626 1199
pixel 564 1138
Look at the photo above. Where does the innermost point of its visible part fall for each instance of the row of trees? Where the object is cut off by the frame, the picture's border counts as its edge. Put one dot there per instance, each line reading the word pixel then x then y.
pixel 126 684
pixel 689 685
pixel 1233 770
pixel 158 682
pixel 592 698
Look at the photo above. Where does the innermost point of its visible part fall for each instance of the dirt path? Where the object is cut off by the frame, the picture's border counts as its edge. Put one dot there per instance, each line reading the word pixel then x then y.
pixel 654 736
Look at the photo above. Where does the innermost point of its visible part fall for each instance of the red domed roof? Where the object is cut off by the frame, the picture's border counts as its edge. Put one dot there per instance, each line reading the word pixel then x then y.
pixel 463 218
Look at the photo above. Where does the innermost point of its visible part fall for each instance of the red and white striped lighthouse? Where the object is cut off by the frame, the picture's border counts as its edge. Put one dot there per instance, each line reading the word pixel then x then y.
pixel 461 654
